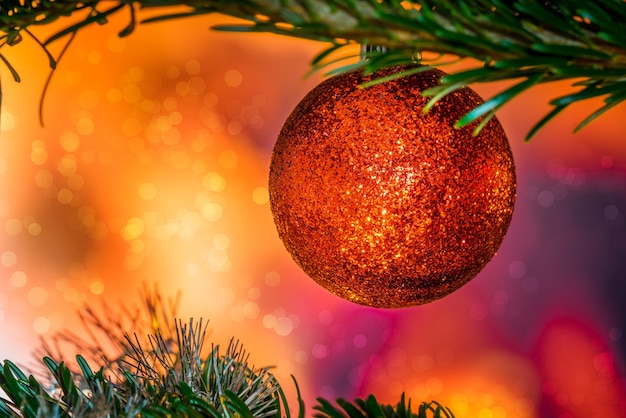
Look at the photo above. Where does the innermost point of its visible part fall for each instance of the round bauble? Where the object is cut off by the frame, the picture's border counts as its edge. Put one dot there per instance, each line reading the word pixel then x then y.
pixel 383 204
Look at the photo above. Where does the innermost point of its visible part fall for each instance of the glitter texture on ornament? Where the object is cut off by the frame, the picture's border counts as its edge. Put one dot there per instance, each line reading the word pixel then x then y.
pixel 383 204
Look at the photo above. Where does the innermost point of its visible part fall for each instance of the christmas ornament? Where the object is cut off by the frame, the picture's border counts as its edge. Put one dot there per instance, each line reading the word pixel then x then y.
pixel 385 205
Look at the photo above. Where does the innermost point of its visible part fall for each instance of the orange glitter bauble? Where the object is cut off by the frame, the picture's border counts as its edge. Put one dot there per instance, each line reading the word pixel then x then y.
pixel 385 205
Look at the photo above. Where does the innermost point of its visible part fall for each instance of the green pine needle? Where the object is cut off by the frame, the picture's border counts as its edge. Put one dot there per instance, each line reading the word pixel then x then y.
pixel 370 407
pixel 561 39
pixel 160 371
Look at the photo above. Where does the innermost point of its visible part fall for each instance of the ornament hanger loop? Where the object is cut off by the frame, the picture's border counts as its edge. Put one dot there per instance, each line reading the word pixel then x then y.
pixel 368 50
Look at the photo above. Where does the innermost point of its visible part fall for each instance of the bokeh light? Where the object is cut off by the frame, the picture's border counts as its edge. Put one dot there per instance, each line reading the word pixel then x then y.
pixel 152 167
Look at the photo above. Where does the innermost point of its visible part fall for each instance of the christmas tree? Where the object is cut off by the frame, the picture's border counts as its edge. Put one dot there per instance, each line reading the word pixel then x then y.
pixel 524 43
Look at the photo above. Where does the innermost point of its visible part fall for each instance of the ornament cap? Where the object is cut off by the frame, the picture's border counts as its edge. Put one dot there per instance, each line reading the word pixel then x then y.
pixel 367 50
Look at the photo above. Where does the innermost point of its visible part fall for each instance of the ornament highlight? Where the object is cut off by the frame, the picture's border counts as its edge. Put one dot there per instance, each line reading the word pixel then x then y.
pixel 385 205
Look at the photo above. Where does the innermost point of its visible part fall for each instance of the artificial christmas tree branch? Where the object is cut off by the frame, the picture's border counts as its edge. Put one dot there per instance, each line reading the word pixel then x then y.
pixel 162 370
pixel 525 41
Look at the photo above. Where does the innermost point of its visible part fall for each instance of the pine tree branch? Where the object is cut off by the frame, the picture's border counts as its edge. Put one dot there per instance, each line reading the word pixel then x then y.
pixel 519 40
pixel 163 371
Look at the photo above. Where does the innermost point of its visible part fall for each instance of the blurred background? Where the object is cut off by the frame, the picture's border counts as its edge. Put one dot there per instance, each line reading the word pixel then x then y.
pixel 151 168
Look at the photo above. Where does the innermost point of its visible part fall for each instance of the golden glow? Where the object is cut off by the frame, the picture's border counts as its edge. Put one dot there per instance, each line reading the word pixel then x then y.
pixel 8 121
pixel 214 182
pixel 279 322
pixel 13 227
pixel 85 126
pixel 67 166
pixel 193 67
pixel 272 279
pixel 8 259
pixel 70 141
pixel 260 195
pixel 38 155
pixel 41 325
pixel 97 287
pixel 131 93
pixel 233 78
pixel 133 229
pixel 65 196
pixel 19 279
